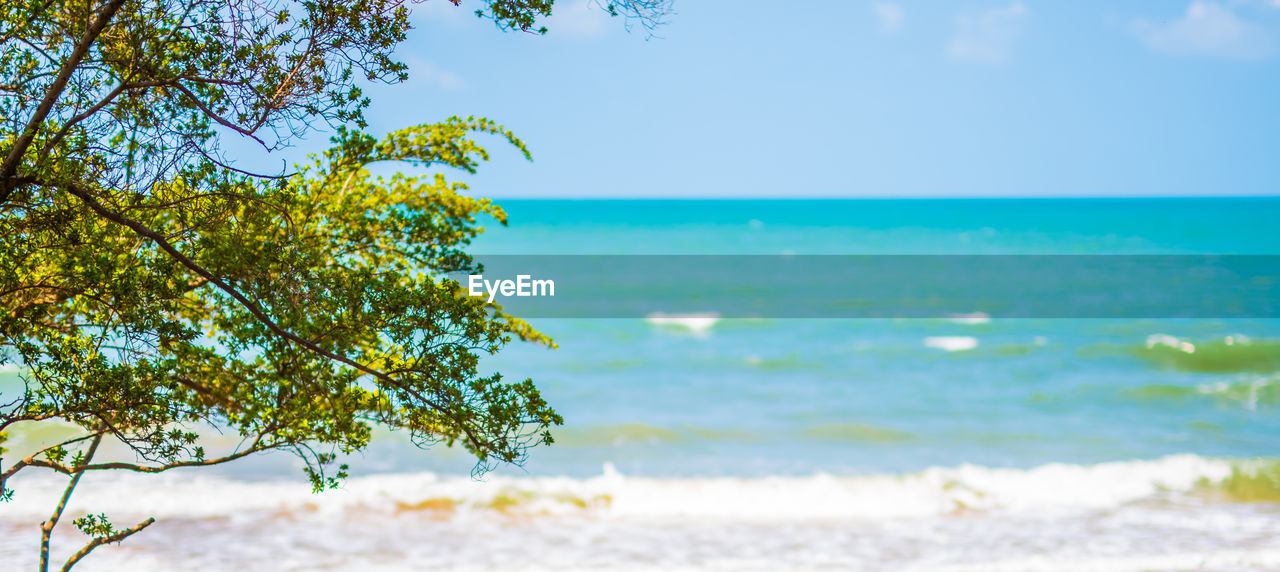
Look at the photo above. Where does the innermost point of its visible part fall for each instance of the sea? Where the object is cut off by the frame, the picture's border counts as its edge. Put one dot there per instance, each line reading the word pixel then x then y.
pixel 716 442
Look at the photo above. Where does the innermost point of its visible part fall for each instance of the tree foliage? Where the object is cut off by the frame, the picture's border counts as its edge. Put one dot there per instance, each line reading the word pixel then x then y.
pixel 149 288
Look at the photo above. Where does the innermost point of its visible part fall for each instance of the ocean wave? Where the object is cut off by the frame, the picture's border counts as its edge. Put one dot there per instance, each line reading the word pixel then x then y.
pixel 972 319
pixel 1229 354
pixel 1124 516
pixel 1249 393
pixel 697 323
pixel 1250 481
pixel 951 343
pixel 789 362
pixel 933 492
pixel 856 432
pixel 615 435
pixel 628 434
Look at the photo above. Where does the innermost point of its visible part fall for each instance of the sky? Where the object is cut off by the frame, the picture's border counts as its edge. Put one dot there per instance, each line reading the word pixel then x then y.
pixel 859 99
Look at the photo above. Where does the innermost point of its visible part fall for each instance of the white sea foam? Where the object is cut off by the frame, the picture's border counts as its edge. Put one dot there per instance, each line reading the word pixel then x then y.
pixel 974 318
pixel 951 343
pixel 1166 340
pixel 1224 559
pixel 1112 516
pixel 933 492
pixel 698 323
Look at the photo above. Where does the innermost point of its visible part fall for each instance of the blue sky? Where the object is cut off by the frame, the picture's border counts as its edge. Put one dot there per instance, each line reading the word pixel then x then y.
pixel 862 99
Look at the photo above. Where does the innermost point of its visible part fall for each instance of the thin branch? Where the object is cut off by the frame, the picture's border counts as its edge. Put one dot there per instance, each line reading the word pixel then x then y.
pixel 124 86
pixel 66 470
pixel 117 537
pixel 10 166
pixel 203 463
pixel 247 132
pixel 31 461
pixel 255 447
pixel 10 420
pixel 282 175
pixel 46 528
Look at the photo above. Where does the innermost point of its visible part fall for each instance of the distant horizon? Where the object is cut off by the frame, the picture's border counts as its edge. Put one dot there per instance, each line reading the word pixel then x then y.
pixel 885 198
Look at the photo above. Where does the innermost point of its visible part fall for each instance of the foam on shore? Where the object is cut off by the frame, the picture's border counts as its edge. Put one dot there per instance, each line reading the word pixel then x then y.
pixel 1122 516
pixel 937 491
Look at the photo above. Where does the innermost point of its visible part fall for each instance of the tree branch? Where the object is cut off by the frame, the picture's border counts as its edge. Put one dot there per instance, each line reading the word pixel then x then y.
pixel 117 537
pixel 123 87
pixel 66 470
pixel 46 528
pixel 246 131
pixel 31 461
pixel 10 166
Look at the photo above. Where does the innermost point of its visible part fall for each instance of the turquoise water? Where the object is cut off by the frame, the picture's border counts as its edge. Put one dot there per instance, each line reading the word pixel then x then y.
pixel 943 226
pixel 746 397
pixel 761 397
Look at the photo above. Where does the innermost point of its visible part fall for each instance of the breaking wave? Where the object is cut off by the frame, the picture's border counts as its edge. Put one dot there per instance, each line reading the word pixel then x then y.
pixel 936 491
pixel 1055 517
pixel 1229 354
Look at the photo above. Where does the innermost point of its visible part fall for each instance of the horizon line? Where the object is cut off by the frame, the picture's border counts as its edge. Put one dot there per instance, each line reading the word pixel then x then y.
pixel 879 198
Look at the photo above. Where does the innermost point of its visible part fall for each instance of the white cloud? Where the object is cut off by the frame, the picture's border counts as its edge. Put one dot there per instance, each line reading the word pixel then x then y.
pixel 891 16
pixel 1207 28
pixel 988 37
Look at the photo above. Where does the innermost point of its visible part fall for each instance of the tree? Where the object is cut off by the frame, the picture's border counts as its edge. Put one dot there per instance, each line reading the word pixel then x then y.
pixel 149 288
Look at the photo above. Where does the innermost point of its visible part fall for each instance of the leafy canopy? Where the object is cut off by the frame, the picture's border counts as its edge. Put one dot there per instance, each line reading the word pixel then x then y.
pixel 149 288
